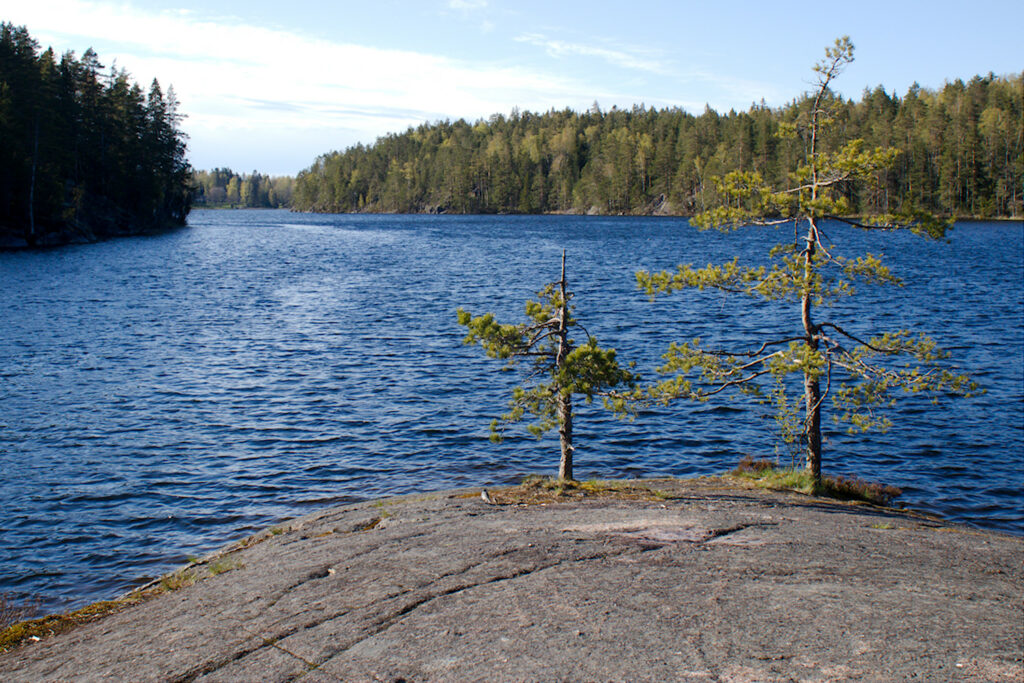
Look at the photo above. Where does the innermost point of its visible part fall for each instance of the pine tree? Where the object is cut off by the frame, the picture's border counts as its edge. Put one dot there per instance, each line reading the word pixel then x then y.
pixel 559 368
pixel 859 373
pixel 83 155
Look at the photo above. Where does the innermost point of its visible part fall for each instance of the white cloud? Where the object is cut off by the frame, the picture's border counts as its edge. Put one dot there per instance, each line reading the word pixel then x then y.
pixel 235 80
pixel 252 92
pixel 740 92
pixel 620 58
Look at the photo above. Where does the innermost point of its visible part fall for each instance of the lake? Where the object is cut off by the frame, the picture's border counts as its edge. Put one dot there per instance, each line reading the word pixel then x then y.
pixel 161 396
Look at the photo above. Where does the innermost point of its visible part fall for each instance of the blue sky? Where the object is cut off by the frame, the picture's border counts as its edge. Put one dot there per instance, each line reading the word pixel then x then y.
pixel 268 86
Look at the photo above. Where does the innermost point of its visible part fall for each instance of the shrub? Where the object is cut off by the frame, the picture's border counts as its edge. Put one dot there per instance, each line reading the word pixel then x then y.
pixel 12 612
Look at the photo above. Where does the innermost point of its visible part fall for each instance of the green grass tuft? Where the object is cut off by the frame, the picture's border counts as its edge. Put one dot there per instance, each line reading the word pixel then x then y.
pixel 224 564
pixel 177 580
pixel 767 474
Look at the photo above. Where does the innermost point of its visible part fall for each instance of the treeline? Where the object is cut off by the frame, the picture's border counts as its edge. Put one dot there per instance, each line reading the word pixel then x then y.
pixel 223 188
pixel 962 154
pixel 84 154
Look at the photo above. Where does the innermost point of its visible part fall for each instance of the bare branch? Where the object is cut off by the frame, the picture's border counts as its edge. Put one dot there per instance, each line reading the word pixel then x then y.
pixel 735 382
pixel 852 222
pixel 829 181
pixel 539 338
pixel 539 354
pixel 828 386
pixel 760 350
pixel 756 221
pixel 757 361
pixel 856 339
pixel 821 244
pixel 540 326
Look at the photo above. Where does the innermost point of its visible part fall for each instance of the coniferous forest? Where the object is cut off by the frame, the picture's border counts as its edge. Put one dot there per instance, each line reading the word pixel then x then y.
pixel 962 154
pixel 85 154
pixel 222 188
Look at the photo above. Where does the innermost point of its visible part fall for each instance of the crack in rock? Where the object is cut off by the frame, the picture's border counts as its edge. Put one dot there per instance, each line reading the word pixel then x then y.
pixel 657 531
pixel 323 572
pixel 393 618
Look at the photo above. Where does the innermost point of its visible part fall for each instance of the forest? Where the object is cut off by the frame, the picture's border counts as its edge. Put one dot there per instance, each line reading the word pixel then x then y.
pixel 961 154
pixel 222 188
pixel 86 154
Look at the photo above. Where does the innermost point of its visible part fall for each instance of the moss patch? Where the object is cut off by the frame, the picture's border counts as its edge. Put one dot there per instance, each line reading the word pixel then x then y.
pixel 36 629
pixel 765 474
pixel 536 490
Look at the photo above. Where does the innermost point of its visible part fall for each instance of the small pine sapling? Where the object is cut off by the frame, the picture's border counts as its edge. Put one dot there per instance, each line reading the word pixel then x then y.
pixel 559 369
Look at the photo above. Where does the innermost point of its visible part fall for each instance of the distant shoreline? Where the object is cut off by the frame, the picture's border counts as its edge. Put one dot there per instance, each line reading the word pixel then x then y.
pixel 579 214
pixel 58 240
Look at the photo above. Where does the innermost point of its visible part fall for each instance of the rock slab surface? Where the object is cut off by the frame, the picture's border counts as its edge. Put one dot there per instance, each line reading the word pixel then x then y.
pixel 702 582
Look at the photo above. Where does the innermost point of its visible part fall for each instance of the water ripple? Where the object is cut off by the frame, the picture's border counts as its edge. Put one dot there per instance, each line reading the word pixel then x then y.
pixel 162 395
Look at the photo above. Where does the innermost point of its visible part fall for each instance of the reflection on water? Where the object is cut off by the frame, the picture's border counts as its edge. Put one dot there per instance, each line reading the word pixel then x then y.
pixel 162 395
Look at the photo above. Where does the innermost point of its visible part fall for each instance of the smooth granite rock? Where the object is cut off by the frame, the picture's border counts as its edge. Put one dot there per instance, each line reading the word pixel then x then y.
pixel 703 582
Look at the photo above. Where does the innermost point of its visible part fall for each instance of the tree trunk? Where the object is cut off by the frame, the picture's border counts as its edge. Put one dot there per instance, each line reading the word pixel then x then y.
pixel 812 388
pixel 564 406
pixel 812 425
pixel 32 190
pixel 565 436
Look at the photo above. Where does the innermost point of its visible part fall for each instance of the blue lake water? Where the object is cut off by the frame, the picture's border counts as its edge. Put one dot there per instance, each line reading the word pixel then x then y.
pixel 161 396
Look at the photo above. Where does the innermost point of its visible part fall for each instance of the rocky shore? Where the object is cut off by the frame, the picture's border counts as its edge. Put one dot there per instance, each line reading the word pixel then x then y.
pixel 660 580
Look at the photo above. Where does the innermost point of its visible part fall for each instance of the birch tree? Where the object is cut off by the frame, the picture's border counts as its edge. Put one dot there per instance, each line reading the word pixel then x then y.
pixel 558 369
pixel 860 372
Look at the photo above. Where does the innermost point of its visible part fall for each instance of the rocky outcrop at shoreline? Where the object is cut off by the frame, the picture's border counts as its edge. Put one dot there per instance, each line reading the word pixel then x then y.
pixel 679 580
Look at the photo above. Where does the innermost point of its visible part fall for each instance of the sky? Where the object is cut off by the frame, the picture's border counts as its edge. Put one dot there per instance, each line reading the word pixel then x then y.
pixel 269 85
